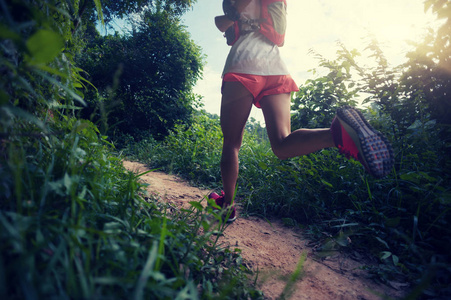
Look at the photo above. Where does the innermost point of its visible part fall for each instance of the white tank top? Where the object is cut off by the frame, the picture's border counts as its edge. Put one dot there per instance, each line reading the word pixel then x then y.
pixel 253 53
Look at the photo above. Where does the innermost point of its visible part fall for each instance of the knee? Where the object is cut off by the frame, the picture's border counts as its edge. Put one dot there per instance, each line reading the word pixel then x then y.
pixel 232 144
pixel 279 153
pixel 230 149
pixel 278 149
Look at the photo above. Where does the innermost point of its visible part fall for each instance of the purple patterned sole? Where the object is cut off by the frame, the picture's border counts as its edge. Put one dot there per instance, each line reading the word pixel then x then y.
pixel 375 151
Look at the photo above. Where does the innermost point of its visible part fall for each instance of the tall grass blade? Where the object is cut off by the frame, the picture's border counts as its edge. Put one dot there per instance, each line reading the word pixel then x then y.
pixel 295 276
pixel 146 272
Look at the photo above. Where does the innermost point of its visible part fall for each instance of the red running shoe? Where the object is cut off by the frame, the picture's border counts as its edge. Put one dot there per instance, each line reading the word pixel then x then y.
pixel 219 200
pixel 356 138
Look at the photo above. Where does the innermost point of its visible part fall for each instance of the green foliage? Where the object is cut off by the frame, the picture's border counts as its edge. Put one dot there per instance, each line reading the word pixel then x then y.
pixel 143 80
pixel 38 74
pixel 73 223
pixel 86 12
pixel 121 9
pixel 297 275
pixel 318 99
pixel 192 151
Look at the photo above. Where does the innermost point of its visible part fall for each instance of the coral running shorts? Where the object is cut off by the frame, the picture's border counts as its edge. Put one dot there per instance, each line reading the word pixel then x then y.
pixel 261 86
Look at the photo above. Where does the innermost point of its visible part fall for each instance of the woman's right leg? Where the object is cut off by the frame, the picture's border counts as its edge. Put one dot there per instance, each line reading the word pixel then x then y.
pixel 236 106
pixel 286 144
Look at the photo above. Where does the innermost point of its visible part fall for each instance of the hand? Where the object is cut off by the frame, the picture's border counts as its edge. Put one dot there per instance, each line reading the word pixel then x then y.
pixel 232 9
pixel 223 23
pixel 240 5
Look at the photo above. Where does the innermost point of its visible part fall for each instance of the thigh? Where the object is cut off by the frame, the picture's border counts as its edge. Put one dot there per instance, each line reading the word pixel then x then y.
pixel 277 113
pixel 236 105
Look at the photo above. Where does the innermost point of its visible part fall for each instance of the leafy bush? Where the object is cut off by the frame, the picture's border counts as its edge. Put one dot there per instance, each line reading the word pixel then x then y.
pixel 73 223
pixel 143 80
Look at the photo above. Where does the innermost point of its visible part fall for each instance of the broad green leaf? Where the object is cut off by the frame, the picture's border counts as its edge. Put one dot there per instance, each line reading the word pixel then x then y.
pixel 44 46
pixel 196 205
pixel 99 11
pixel 24 115
pixel 327 183
pixel 343 240
pixel 5 33
pixel 51 71
pixel 382 241
pixel 262 165
pixel 4 97
pixel 395 260
pixel 67 181
pixel 385 255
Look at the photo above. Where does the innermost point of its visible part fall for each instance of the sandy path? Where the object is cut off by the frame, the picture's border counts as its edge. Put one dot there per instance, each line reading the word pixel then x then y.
pixel 275 250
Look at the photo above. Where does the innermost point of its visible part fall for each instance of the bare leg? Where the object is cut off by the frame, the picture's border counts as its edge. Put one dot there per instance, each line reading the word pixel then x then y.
pixel 286 144
pixel 236 105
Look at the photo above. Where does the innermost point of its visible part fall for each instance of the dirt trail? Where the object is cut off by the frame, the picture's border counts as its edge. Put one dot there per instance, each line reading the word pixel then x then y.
pixel 275 250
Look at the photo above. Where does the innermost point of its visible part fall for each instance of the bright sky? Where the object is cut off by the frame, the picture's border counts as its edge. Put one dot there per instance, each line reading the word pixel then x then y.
pixel 317 25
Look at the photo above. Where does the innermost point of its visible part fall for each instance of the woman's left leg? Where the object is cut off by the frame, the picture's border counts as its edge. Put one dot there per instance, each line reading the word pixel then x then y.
pixel 236 105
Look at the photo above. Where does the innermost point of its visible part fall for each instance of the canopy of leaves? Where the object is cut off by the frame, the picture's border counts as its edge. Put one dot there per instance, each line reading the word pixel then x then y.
pixel 122 8
pixel 144 79
pixel 87 11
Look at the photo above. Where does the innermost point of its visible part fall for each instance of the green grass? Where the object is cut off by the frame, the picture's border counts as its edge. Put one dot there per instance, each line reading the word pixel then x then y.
pixel 75 224
pixel 402 221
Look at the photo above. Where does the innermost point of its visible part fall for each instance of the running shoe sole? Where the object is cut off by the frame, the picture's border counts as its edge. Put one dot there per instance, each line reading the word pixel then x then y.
pixel 375 152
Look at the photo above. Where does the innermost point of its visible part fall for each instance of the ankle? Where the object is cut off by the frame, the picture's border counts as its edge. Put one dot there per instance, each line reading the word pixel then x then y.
pixel 329 139
pixel 227 202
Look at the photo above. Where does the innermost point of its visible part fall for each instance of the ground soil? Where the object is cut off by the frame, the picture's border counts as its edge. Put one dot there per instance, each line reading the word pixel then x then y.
pixel 275 250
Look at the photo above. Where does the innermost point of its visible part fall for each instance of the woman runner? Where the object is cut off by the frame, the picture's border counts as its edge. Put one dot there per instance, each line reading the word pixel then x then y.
pixel 255 74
